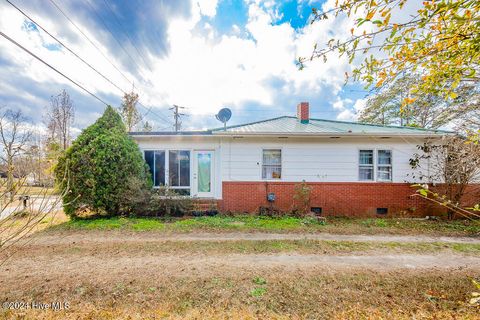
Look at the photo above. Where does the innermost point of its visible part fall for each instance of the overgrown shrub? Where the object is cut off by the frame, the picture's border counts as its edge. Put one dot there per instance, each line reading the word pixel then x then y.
pixel 102 164
pixel 166 202
pixel 301 199
pixel 163 201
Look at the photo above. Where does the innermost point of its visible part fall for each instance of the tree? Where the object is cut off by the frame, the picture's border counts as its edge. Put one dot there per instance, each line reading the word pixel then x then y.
pixel 147 127
pixel 453 165
pixel 428 111
pixel 60 118
pixel 14 135
pixel 441 42
pixel 101 164
pixel 469 121
pixel 128 111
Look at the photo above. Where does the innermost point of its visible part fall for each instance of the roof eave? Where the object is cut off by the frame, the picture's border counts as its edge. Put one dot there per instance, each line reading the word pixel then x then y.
pixel 330 134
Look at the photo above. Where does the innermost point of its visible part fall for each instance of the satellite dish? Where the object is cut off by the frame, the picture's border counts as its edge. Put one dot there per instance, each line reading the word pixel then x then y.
pixel 223 116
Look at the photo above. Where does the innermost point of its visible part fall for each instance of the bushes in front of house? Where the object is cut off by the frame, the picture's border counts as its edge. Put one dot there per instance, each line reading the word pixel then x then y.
pixel 99 169
pixel 155 202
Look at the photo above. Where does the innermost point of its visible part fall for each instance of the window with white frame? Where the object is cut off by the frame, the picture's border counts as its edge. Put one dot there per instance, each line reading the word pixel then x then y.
pixel 272 164
pixel 384 165
pixel 375 165
pixel 170 168
pixel 366 165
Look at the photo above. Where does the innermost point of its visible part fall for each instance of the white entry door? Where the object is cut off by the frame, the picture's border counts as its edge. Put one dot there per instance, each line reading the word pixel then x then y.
pixel 203 174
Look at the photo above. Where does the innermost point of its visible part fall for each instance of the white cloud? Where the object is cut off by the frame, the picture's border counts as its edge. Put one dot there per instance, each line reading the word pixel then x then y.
pixel 346 115
pixel 205 74
pixel 338 105
pixel 347 111
pixel 360 105
pixel 203 70
pixel 208 7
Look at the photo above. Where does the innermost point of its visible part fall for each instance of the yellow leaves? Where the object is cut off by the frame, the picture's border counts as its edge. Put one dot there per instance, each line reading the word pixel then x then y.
pixel 453 95
pixel 387 19
pixel 383 76
pixel 379 83
pixel 370 14
pixel 351 31
pixel 408 101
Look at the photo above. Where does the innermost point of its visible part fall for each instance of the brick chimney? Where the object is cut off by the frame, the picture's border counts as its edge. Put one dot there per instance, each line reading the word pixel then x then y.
pixel 303 113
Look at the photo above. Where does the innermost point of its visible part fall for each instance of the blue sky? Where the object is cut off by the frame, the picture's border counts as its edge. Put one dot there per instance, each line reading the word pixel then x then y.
pixel 200 54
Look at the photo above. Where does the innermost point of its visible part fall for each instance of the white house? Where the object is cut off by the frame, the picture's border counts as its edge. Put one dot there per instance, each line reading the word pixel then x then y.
pixel 352 168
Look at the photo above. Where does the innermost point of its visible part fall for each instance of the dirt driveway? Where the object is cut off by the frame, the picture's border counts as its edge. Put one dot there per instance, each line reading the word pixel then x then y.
pixel 66 237
pixel 112 252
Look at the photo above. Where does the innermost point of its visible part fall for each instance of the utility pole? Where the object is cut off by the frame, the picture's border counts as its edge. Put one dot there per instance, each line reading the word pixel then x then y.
pixel 176 116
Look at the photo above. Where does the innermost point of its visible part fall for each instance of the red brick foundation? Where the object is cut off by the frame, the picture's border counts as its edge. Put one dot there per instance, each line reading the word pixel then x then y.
pixel 335 199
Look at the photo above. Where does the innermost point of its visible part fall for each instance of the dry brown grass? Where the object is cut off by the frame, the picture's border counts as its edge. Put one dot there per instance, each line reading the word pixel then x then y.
pixel 300 295
pixel 148 279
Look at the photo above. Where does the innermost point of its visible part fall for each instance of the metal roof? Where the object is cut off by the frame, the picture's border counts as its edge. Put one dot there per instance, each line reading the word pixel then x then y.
pixel 171 133
pixel 291 126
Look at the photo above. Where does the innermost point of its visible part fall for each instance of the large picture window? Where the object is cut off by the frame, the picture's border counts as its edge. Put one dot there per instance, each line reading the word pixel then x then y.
pixel 175 164
pixel 272 164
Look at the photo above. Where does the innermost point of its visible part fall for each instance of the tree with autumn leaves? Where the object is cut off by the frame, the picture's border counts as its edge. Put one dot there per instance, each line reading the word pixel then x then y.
pixel 439 43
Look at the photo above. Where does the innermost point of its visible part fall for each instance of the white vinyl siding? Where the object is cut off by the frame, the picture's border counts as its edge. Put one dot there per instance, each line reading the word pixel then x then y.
pixel 309 159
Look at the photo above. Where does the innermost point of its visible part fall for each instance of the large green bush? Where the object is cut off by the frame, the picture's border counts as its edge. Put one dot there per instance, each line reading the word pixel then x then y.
pixel 100 168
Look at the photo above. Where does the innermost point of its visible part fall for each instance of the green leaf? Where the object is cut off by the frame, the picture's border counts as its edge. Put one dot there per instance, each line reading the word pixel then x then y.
pixel 423 192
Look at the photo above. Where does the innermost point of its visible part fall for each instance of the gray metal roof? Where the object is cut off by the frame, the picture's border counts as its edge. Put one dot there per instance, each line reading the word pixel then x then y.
pixel 291 126
pixel 170 133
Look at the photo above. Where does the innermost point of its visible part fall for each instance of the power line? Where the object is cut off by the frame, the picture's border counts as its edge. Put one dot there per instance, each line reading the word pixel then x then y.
pixel 93 44
pixel 176 116
pixel 125 31
pixel 85 62
pixel 88 39
pixel 111 32
pixel 64 45
pixel 51 67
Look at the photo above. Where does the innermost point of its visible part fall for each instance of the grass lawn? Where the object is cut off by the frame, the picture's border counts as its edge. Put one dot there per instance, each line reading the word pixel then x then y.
pixel 139 268
pixel 284 224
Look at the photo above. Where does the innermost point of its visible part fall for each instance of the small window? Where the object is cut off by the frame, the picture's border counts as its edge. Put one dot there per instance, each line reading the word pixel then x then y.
pixel 366 165
pixel 384 165
pixel 272 164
